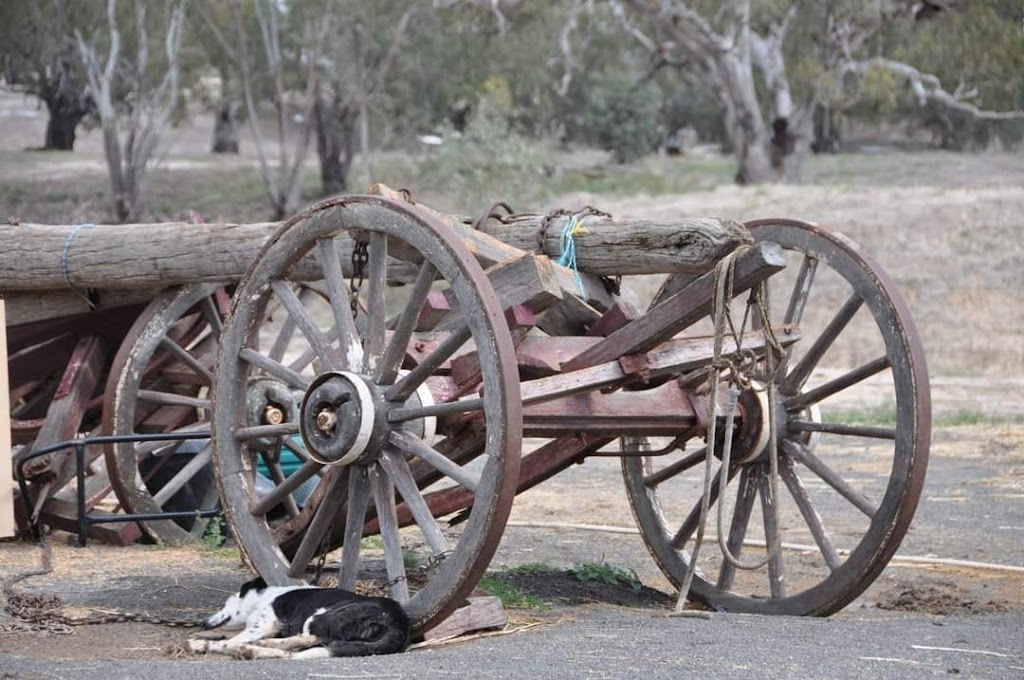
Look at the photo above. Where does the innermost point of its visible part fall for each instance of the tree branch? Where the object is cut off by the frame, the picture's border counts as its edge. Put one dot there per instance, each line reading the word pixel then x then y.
pixel 927 86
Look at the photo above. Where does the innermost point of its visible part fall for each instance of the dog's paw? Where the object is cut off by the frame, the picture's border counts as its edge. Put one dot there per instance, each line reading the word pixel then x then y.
pixel 250 652
pixel 197 646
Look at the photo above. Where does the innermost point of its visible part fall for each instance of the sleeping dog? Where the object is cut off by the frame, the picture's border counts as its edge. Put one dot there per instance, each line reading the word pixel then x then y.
pixel 276 621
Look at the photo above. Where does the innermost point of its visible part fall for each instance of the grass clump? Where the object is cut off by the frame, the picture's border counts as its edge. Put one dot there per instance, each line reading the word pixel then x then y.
pixel 608 574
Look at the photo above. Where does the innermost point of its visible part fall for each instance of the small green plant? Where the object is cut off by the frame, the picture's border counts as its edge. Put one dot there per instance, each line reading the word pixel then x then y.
pixel 530 568
pixel 411 559
pixel 607 574
pixel 213 535
pixel 511 597
pixel 371 543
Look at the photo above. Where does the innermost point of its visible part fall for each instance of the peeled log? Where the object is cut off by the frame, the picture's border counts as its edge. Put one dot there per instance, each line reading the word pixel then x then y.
pixel 120 257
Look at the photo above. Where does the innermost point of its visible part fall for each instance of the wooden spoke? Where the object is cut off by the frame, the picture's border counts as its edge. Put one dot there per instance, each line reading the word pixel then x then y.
pixel 284 489
pixel 274 368
pixel 746 492
pixel 173 399
pixel 822 392
pixel 869 431
pixel 796 489
pixel 398 470
pixel 801 454
pixel 680 466
pixel 211 314
pixel 387 516
pixel 776 568
pixel 414 446
pixel 692 520
pixel 446 408
pixel 796 378
pixel 387 371
pixel 355 519
pixel 277 476
pixel 319 526
pixel 327 353
pixel 341 303
pixel 376 304
pixel 297 448
pixel 286 331
pixel 183 355
pixel 801 290
pixel 404 388
pixel 186 473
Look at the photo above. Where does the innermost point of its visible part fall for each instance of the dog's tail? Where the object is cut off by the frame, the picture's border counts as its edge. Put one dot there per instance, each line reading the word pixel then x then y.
pixel 371 627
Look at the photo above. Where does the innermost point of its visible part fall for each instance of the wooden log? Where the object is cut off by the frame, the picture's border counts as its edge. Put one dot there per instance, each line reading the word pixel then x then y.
pixel 131 256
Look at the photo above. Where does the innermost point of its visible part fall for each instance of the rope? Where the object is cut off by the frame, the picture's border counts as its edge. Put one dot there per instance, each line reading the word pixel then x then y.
pixel 573 227
pixel 740 375
pixel 90 296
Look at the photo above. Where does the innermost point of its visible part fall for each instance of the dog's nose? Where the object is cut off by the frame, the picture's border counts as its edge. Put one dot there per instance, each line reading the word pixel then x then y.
pixel 209 625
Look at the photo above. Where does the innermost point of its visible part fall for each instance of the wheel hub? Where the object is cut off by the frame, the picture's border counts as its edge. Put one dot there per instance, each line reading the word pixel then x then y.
pixel 269 402
pixel 750 442
pixel 338 419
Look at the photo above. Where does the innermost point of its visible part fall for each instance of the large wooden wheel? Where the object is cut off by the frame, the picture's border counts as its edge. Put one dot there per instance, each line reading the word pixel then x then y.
pixel 160 382
pixel 360 405
pixel 853 427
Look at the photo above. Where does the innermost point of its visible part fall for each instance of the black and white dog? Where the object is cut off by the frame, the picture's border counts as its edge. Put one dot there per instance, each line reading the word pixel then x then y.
pixel 304 622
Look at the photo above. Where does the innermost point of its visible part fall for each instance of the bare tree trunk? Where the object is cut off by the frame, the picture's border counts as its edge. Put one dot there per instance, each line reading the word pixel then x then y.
pixel 150 108
pixel 335 142
pixel 225 127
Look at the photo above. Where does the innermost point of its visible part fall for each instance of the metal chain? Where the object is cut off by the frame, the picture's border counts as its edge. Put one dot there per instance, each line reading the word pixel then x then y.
pixel 40 612
pixel 360 256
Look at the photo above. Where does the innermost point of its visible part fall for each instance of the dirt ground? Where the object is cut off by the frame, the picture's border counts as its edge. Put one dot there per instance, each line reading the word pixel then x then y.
pixel 949 228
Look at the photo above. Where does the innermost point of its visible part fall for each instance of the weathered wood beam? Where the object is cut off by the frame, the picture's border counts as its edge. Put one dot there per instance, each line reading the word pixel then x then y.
pixel 130 256
pixel 681 310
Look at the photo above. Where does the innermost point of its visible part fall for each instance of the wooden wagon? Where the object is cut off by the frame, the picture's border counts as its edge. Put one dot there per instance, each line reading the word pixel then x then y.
pixel 372 367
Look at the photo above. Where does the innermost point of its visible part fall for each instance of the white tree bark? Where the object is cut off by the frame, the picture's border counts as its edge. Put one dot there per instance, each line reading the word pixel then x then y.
pixel 150 109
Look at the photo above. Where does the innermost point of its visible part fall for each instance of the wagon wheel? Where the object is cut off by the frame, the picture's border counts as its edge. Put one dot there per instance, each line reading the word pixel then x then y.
pixel 159 382
pixel 360 425
pixel 850 475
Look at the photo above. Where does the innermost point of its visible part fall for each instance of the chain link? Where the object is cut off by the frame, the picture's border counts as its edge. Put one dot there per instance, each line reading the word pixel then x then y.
pixel 360 256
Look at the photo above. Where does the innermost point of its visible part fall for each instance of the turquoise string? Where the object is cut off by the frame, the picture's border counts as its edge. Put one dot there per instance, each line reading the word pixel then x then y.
pixel 568 256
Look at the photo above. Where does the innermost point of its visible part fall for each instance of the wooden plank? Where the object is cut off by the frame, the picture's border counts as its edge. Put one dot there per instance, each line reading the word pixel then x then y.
pixel 81 378
pixel 681 310
pixel 34 306
pixel 481 613
pixel 6 473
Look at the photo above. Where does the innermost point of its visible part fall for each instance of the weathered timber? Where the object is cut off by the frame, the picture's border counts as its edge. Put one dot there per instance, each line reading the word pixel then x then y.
pixel 608 247
pixel 34 306
pixel 681 309
pixel 481 613
pixel 124 257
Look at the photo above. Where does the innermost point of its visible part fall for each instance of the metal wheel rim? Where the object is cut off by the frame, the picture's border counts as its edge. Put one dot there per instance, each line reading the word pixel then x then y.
pixel 891 521
pixel 460 571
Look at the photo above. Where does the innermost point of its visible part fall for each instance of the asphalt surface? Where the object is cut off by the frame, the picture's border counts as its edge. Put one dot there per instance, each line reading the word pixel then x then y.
pixel 972 509
pixel 624 644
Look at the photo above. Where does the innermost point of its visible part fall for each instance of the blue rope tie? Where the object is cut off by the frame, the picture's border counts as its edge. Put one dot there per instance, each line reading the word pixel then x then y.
pixel 89 297
pixel 573 226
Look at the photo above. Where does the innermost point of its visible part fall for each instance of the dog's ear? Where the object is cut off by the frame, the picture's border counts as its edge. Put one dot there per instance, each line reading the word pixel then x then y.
pixel 256 584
